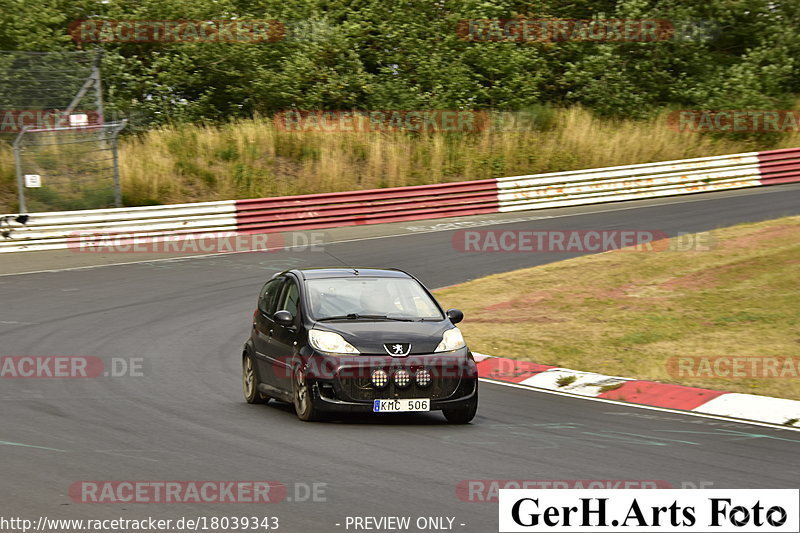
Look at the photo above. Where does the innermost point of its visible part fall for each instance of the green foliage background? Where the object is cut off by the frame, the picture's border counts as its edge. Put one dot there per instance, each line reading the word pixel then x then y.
pixel 406 54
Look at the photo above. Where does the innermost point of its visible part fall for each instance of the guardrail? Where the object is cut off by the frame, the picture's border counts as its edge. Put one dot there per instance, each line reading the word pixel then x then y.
pixel 64 229
pixel 628 182
pixel 47 231
pixel 779 166
pixel 367 207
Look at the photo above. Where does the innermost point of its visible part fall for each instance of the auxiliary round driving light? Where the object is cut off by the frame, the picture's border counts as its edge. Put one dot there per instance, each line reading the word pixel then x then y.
pixel 402 378
pixel 423 377
pixel 380 378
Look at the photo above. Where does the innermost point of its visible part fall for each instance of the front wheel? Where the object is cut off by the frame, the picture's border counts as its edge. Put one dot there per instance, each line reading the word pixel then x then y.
pixel 462 415
pixel 301 392
pixel 250 381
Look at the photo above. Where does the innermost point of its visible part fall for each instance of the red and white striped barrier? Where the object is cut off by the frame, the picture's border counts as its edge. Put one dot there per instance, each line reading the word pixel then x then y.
pixel 47 231
pixel 65 229
pixel 367 207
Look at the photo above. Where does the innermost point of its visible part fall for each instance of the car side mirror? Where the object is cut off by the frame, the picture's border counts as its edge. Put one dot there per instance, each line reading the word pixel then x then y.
pixel 284 318
pixel 455 315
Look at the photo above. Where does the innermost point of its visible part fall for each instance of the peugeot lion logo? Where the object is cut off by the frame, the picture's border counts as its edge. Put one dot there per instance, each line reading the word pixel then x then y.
pixel 397 349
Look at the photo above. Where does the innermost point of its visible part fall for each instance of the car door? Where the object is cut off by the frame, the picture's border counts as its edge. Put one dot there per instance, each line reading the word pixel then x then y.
pixel 284 338
pixel 263 329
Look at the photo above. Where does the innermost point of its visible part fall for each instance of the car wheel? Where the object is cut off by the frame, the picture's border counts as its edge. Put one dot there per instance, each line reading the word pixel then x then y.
pixel 462 415
pixel 301 392
pixel 250 381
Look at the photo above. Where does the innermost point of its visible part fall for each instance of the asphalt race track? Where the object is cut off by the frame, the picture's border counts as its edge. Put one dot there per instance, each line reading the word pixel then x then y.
pixel 185 418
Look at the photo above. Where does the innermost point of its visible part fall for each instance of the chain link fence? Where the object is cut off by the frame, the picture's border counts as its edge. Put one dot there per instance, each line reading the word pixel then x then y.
pixel 51 112
pixel 68 168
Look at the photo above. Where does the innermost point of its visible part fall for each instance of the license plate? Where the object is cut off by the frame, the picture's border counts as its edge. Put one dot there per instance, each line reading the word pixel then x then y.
pixel 401 406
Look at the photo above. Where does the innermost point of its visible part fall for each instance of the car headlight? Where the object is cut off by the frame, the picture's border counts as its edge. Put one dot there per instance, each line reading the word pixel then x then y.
pixel 330 342
pixel 451 340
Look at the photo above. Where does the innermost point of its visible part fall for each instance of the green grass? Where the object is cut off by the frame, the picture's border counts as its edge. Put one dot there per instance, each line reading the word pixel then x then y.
pixel 563 381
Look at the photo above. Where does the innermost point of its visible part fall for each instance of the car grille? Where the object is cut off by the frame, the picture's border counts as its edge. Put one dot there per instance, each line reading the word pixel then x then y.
pixel 361 388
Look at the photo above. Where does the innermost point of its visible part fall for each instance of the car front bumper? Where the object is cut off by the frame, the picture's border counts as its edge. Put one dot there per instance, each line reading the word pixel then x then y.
pixel 329 404
pixel 346 384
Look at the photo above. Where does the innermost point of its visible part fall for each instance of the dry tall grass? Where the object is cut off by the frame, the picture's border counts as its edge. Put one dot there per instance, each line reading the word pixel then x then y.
pixel 251 158
pixel 8 184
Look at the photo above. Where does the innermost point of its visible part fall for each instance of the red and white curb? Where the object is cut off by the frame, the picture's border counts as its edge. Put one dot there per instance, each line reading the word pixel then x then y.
pixel 650 393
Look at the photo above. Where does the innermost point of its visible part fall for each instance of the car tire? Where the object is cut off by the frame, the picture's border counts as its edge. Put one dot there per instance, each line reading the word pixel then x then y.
pixel 250 381
pixel 462 415
pixel 301 393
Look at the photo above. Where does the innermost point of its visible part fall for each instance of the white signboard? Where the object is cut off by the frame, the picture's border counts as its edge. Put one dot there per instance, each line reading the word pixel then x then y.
pixel 79 119
pixel 33 180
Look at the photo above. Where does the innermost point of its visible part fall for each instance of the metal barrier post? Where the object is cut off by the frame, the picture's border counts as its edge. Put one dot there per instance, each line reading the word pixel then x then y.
pixel 18 165
pixel 115 155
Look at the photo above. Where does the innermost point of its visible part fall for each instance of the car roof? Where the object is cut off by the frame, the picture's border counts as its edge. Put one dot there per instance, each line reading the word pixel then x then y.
pixel 339 272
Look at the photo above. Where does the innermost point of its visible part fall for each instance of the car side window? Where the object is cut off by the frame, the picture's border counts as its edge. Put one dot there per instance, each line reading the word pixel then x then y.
pixel 268 296
pixel 290 298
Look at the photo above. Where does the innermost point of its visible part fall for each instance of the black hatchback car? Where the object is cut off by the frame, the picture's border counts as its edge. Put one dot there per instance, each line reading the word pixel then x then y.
pixel 357 340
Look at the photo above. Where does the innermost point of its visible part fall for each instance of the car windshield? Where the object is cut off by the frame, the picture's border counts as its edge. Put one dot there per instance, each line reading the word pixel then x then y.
pixel 370 298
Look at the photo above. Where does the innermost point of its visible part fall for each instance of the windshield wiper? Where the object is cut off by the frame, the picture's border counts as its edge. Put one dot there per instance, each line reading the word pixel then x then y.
pixel 356 316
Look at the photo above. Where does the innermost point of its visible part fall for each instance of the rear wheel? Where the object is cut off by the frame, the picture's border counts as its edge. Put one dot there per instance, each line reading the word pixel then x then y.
pixel 462 415
pixel 250 381
pixel 301 392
